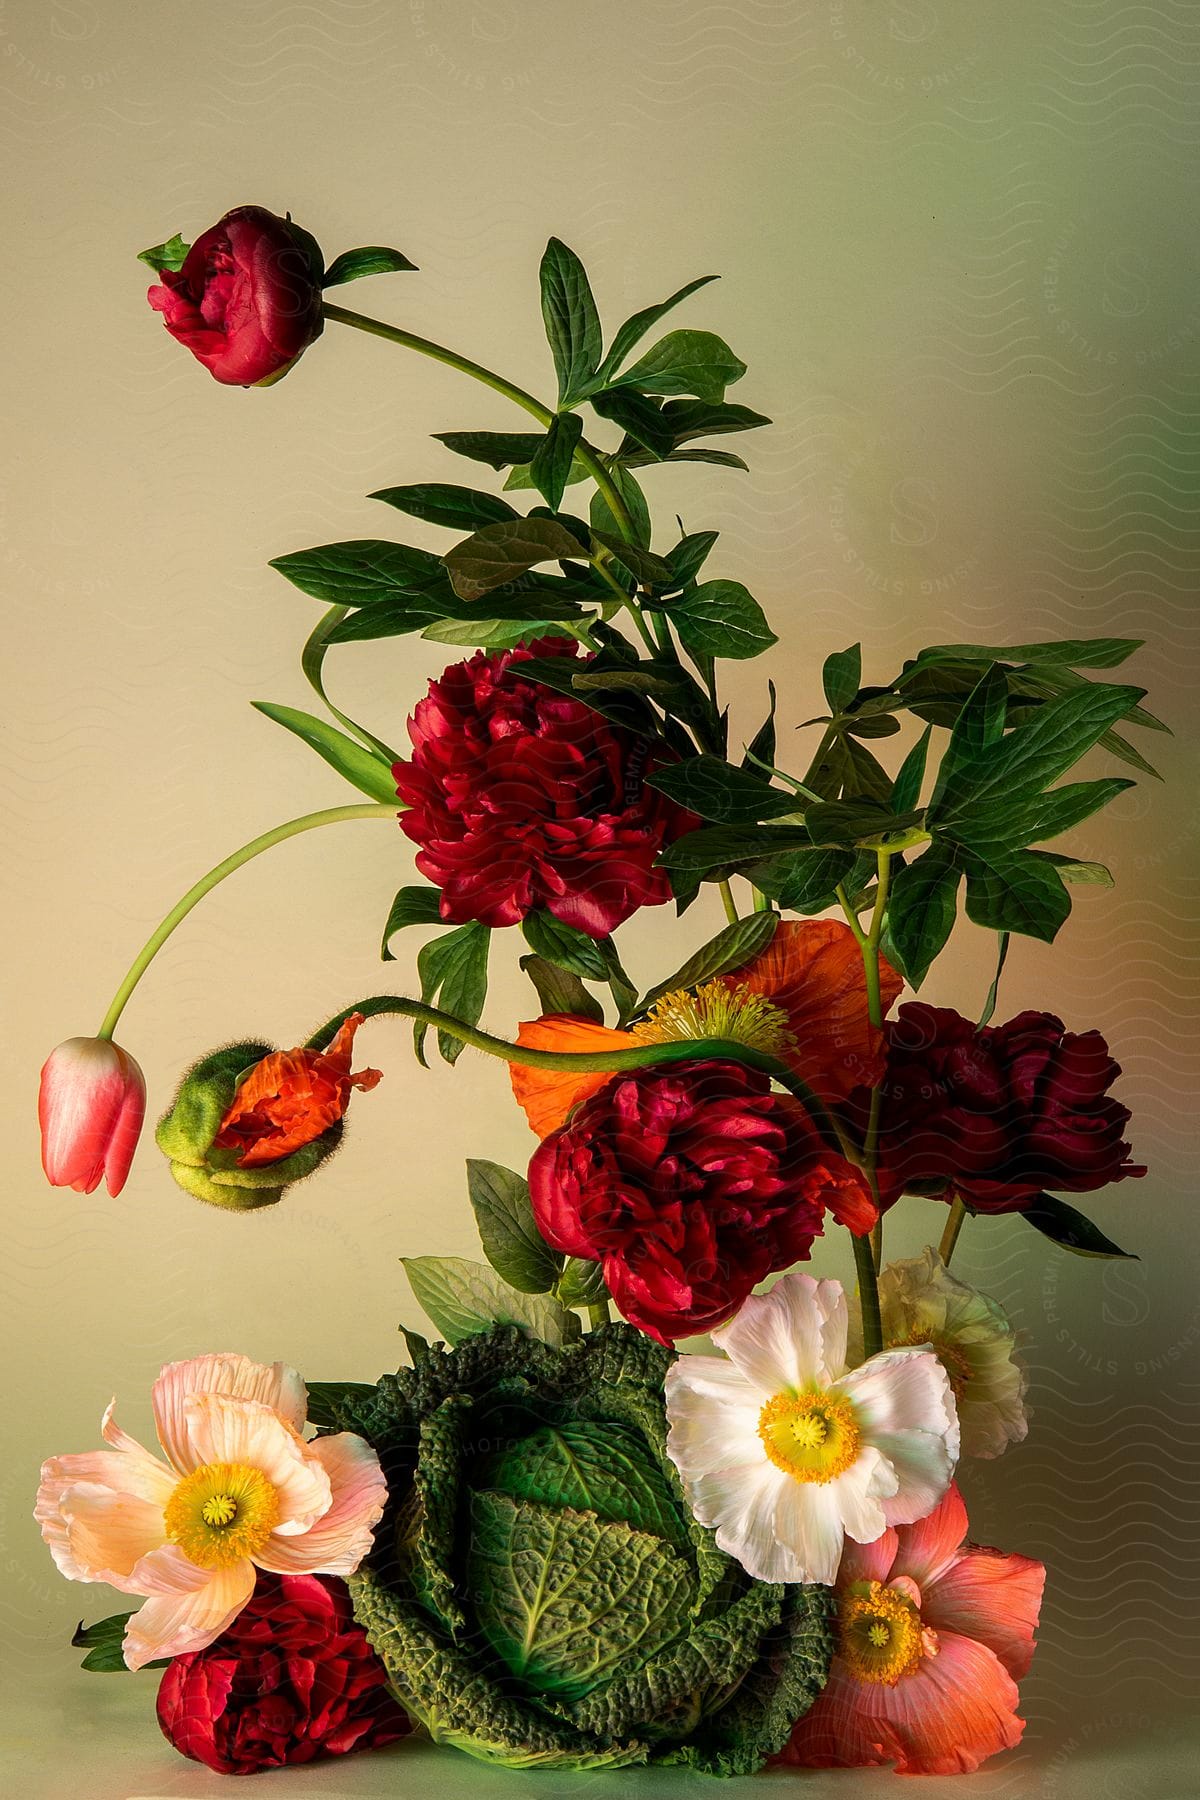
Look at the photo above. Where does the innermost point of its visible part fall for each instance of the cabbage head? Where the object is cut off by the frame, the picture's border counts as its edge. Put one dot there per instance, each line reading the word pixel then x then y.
pixel 539 1591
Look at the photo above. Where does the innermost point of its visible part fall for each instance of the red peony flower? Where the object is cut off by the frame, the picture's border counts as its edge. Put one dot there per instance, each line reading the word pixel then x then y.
pixel 934 1634
pixel 292 1679
pixel 292 1097
pixel 998 1114
pixel 247 300
pixel 521 797
pixel 689 1184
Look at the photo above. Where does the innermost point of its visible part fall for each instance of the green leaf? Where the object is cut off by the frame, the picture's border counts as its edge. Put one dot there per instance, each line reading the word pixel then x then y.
pixel 581 1283
pixel 551 467
pixel 495 634
pixel 103 1642
pixel 601 515
pixel 564 946
pixel 646 568
pixel 730 845
pixel 511 1240
pixel 1080 874
pixel 360 766
pixel 710 786
pixel 636 327
pixel 171 255
pixel 1003 940
pixel 687 557
pixel 722 459
pixel 739 943
pixel 689 419
pixel 369 259
pixel 922 908
pixel 841 677
pixel 464 1298
pixel 624 708
pixel 361 572
pixel 843 824
pixel 499 553
pixel 639 417
pixel 592 1466
pixel 499 449
pixel 412 906
pixel 686 362
pixel 453 972
pixel 805 881
pixel 326 1399
pixel 761 748
pixel 1072 653
pixel 1016 890
pixel 1030 821
pixel 906 790
pixel 560 991
pixel 572 322
pixel 1069 1229
pixel 721 618
pixel 443 503
pixel 980 725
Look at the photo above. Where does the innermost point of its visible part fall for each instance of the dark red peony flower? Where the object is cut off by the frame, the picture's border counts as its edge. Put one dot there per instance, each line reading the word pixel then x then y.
pixel 247 300
pixel 689 1184
pixel 292 1679
pixel 998 1114
pixel 522 797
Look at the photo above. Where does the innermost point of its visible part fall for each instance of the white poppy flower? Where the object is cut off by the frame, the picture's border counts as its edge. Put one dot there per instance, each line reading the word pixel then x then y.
pixel 783 1452
pixel 922 1303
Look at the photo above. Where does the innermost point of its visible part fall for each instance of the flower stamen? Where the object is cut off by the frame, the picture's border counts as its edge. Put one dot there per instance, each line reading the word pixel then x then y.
pixel 812 1437
pixel 222 1513
pixel 716 1010
pixel 880 1633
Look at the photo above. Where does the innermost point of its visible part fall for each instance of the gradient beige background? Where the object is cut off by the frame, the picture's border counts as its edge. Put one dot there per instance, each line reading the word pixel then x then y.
pixel 960 254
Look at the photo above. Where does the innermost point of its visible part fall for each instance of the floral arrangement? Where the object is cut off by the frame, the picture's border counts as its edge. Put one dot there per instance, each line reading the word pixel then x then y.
pixel 559 1537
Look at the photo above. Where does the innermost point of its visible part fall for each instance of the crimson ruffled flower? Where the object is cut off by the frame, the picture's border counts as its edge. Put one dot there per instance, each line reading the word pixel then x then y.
pixel 292 1679
pixel 247 300
pixel 689 1184
pixel 521 797
pixel 998 1114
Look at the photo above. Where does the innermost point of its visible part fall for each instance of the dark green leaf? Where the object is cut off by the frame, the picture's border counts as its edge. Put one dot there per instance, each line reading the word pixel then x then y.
pixel 732 948
pixel 728 845
pixel 442 503
pixel 805 881
pixel 1016 890
pixel 360 766
pixel 171 255
pixel 564 946
pixel 979 725
pixel 412 906
pixel 906 791
pixel 453 972
pixel 103 1642
pixel 841 677
pixel 499 553
pixel 1031 821
pixel 688 555
pixel 361 572
pixel 371 259
pixel 841 824
pixel 601 515
pixel 646 568
pixel 710 786
pixel 922 908
pixel 639 417
pixel 686 362
pixel 559 991
pixel 535 613
pixel 689 419
pixel 572 322
pixel 627 709
pixel 490 634
pixel 761 748
pixel 721 618
pixel 872 725
pixel 511 1240
pixel 1003 940
pixel 865 777
pixel 635 328
pixel 1074 653
pixel 326 1400
pixel 499 449
pixel 581 1283
pixel 551 467
pixel 1069 1229
pixel 723 459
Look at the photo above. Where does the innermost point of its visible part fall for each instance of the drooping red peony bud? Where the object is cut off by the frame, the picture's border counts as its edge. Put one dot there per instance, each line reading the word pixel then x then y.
pixel 520 797
pixel 998 1114
pixel 689 1184
pixel 292 1679
pixel 91 1104
pixel 247 301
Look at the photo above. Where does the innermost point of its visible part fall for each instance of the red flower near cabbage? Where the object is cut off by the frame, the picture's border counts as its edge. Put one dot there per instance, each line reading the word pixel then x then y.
pixel 998 1114
pixel 292 1679
pixel 689 1184
pixel 522 797
pixel 247 300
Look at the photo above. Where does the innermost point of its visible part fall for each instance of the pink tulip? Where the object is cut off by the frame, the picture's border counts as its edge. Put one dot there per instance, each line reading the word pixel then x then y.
pixel 91 1105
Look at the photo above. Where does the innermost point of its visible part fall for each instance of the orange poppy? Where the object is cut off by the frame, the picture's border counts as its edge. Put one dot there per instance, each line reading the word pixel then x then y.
pixel 292 1097
pixel 547 1096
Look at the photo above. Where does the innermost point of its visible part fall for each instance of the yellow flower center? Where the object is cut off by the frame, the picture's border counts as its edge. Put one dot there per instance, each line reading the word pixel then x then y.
pixel 952 1359
pixel 880 1633
pixel 221 1513
pixel 717 1011
pixel 812 1436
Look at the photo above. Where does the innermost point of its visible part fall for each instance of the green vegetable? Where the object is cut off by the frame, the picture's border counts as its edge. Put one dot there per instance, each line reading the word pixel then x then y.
pixel 540 1593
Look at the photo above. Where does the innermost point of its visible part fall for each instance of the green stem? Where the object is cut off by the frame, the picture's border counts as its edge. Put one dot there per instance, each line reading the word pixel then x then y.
pixel 868 1297
pixel 332 815
pixel 954 1225
pixel 589 457
pixel 311 659
pixel 727 900
pixel 598 1314
pixel 638 1056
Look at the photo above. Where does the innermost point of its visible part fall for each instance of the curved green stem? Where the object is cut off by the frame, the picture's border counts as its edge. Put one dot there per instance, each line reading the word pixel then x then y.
pixel 728 901
pixel 954 1225
pixel 637 1056
pixel 332 815
pixel 311 659
pixel 589 457
pixel 868 1297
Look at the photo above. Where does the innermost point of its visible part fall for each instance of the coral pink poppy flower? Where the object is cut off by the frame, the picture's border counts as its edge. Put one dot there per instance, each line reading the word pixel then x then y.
pixel 240 1489
pixel 91 1104
pixel 934 1634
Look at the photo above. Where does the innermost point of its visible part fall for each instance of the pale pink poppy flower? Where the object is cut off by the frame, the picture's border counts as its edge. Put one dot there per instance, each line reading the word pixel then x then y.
pixel 91 1104
pixel 240 1489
